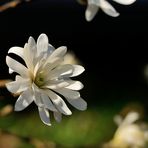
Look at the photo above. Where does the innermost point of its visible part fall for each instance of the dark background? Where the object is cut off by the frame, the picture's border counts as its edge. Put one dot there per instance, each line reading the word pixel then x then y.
pixel 113 50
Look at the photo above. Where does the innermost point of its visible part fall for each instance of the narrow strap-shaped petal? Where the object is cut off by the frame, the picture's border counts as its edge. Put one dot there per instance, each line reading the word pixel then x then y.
pixel 91 11
pixel 47 103
pixel 59 52
pixel 78 103
pixel 18 51
pixel 74 85
pixel 24 100
pixel 67 93
pixel 28 57
pixel 57 116
pixel 61 71
pixel 58 102
pixel 125 2
pixel 77 70
pixel 56 85
pixel 42 44
pixel 108 8
pixel 44 115
pixel 17 67
pixel 19 85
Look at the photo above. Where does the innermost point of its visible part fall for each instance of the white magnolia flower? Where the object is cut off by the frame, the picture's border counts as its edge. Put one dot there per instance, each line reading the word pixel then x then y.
pixel 95 5
pixel 129 134
pixel 44 80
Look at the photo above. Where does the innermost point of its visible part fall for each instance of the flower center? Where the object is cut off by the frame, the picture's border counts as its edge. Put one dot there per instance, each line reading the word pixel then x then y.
pixel 39 80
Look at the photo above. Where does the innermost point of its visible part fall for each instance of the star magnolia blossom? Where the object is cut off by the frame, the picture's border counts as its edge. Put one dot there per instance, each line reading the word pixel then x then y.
pixel 94 5
pixel 129 134
pixel 43 77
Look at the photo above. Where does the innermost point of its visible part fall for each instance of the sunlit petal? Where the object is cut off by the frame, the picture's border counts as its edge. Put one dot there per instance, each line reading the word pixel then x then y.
pixel 24 100
pixel 17 67
pixel 58 102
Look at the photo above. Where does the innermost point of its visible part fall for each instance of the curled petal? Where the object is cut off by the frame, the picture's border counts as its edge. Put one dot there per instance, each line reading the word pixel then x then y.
pixel 18 51
pixel 17 67
pixel 108 8
pixel 44 115
pixel 125 2
pixel 24 100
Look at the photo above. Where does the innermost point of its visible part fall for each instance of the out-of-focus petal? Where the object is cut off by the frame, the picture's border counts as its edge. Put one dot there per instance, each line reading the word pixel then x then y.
pixel 57 116
pixel 44 115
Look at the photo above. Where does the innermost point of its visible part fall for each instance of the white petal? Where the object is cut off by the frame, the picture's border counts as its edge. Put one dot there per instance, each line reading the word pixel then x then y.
pixel 77 70
pixel 18 86
pixel 42 44
pixel 125 2
pixel 78 103
pixel 130 118
pixel 37 96
pixel 91 11
pixel 47 103
pixel 58 102
pixel 44 115
pixel 59 52
pixel 10 71
pixel 24 100
pixel 17 67
pixel 56 84
pixel 67 93
pixel 18 51
pixel 74 85
pixel 62 70
pixel 108 8
pixel 28 57
pixel 52 63
pixel 57 116
pixel 50 49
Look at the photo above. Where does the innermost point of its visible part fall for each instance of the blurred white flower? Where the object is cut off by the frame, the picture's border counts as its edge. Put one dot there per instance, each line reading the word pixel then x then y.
pixel 94 5
pixel 129 134
pixel 71 58
pixel 44 79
